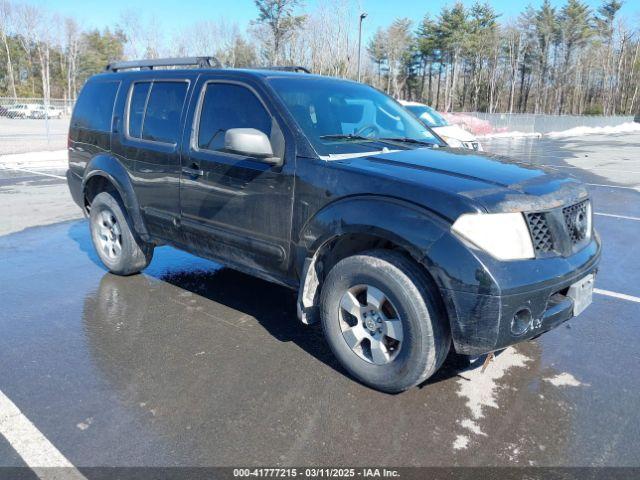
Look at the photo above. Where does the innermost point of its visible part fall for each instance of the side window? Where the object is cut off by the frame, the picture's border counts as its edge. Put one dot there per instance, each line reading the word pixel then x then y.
pixel 162 117
pixel 228 106
pixel 94 108
pixel 136 108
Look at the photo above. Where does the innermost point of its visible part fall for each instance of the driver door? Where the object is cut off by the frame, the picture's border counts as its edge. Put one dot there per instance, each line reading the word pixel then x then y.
pixel 235 207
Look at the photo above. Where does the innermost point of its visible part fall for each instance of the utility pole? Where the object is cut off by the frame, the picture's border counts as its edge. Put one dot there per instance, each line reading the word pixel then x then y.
pixel 363 15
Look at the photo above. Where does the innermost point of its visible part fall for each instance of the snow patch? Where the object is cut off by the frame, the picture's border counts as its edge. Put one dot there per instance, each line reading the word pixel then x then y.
pixel 472 426
pixel 86 424
pixel 564 380
pixel 44 159
pixel 480 389
pixel 461 442
pixel 628 127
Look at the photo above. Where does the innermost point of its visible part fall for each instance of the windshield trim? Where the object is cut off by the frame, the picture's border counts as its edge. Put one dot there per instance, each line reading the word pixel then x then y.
pixel 347 156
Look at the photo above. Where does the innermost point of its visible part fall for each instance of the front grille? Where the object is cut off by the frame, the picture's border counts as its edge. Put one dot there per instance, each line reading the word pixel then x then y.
pixel 561 230
pixel 576 218
pixel 540 232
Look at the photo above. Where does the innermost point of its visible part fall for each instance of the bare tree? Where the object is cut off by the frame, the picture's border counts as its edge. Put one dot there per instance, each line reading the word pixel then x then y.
pixel 5 21
pixel 34 25
pixel 72 36
pixel 280 22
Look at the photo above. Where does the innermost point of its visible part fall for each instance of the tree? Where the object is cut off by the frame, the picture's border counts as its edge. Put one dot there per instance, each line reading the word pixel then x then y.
pixel 399 44
pixel 377 50
pixel 5 18
pixel 72 51
pixel 278 17
pixel 546 23
pixel 99 49
pixel 452 32
pixel 575 29
pixel 605 24
pixel 427 47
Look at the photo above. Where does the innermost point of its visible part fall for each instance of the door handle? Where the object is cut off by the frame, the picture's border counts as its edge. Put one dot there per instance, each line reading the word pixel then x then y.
pixel 192 171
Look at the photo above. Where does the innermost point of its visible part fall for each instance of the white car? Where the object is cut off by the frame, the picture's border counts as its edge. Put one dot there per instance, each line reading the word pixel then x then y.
pixel 454 135
pixel 41 112
pixel 22 110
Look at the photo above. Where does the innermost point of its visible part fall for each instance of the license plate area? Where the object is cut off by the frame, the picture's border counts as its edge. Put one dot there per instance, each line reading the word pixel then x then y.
pixel 581 293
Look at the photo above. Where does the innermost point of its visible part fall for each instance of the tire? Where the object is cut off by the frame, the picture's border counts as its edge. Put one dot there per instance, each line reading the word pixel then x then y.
pixel 118 247
pixel 380 359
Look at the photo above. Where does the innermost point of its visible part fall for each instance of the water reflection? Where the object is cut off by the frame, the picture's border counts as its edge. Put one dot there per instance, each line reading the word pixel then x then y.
pixel 195 348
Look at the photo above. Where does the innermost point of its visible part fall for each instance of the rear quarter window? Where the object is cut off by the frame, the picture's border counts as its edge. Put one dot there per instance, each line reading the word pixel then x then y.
pixel 94 108
pixel 155 109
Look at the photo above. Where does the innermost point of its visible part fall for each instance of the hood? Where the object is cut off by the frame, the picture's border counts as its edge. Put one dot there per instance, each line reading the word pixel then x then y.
pixel 454 131
pixel 486 182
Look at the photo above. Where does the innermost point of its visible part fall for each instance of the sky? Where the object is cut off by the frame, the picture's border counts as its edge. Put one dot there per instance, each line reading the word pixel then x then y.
pixel 173 15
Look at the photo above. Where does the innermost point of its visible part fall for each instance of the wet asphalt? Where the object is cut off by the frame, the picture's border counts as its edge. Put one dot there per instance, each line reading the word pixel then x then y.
pixel 194 364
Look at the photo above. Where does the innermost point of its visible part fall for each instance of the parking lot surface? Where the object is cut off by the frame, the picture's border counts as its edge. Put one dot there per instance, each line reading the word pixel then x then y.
pixel 194 364
pixel 19 135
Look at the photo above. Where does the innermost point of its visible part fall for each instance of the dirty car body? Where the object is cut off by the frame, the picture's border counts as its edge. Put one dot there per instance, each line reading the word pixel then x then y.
pixel 332 190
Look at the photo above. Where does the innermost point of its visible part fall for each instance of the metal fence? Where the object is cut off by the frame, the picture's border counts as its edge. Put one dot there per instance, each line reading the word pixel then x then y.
pixel 487 123
pixel 34 108
pixel 27 125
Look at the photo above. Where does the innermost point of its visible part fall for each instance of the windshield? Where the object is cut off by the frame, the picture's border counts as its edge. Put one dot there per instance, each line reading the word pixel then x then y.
pixel 341 117
pixel 428 115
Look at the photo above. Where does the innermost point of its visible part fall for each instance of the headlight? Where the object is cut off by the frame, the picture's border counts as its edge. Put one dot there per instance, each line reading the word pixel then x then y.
pixel 504 236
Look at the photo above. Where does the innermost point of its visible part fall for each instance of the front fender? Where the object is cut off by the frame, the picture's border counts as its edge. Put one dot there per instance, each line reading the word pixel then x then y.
pixel 408 225
pixel 110 168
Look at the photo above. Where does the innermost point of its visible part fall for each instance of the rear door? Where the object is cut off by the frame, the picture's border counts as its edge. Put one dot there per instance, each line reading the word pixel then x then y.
pixel 148 137
pixel 236 207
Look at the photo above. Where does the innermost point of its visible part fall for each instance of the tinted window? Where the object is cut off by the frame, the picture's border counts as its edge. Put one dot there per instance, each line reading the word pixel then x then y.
pixel 136 108
pixel 162 118
pixel 94 107
pixel 228 106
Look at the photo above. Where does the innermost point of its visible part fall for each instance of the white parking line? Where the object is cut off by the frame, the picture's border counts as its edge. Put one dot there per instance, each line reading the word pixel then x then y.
pixel 621 296
pixel 35 172
pixel 626 217
pixel 32 446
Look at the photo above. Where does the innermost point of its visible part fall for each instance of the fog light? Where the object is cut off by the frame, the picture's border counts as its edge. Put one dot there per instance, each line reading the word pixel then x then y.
pixel 521 321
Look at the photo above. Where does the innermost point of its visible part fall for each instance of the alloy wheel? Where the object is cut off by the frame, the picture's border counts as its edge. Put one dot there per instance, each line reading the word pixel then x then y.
pixel 370 324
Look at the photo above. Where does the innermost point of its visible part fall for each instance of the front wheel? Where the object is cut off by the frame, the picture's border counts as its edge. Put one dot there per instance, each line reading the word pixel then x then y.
pixel 118 247
pixel 383 321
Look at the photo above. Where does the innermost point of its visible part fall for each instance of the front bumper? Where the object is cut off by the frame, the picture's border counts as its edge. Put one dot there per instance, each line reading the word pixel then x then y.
pixel 481 315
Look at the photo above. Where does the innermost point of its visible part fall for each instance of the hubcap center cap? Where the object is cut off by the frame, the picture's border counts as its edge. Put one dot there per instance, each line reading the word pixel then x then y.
pixel 370 324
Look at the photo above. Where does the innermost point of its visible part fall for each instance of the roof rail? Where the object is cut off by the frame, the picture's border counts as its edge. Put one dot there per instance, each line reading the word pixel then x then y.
pixel 150 64
pixel 289 68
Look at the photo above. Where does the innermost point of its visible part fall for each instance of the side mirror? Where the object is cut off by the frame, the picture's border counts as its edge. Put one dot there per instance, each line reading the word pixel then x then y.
pixel 250 142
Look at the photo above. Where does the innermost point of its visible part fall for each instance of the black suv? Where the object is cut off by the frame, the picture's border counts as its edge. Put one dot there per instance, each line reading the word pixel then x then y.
pixel 399 245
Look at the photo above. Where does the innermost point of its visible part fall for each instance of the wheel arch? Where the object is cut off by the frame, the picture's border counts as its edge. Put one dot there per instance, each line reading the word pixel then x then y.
pixel 355 225
pixel 105 172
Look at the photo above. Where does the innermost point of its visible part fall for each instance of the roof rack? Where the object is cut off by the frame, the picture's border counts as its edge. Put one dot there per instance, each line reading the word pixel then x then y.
pixel 150 64
pixel 289 68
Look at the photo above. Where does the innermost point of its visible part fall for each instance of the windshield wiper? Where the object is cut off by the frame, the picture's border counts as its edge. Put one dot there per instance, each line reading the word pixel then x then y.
pixel 408 140
pixel 346 136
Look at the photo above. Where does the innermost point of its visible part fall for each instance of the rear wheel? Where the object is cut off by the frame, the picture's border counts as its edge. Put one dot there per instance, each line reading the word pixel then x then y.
pixel 383 321
pixel 118 247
